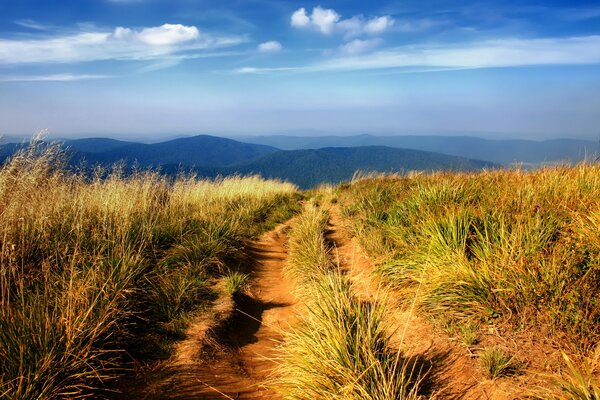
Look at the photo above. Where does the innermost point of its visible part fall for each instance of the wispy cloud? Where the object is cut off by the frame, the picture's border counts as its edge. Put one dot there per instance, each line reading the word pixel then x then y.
pixel 485 54
pixel 328 21
pixel 358 46
pixel 122 43
pixel 272 46
pixel 31 24
pixel 50 78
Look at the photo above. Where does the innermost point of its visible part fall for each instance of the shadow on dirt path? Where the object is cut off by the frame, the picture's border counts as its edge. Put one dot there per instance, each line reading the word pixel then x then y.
pixel 230 353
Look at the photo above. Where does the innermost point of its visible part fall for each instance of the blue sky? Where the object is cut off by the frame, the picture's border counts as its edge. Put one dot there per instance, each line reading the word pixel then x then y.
pixel 153 68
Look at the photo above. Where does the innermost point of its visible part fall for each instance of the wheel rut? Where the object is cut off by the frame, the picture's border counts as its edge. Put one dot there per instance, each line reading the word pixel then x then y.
pixel 450 371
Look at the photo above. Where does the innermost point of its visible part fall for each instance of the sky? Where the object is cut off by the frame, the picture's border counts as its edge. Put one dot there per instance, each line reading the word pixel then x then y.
pixel 158 68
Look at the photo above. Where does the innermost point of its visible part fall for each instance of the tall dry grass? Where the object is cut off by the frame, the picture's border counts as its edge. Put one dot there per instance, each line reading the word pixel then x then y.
pixel 88 264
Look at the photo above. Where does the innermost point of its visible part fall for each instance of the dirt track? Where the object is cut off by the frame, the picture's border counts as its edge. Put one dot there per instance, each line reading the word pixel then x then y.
pixel 229 353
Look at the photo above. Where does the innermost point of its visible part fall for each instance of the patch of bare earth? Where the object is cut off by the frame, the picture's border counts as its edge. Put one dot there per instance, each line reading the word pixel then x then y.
pixel 450 368
pixel 229 353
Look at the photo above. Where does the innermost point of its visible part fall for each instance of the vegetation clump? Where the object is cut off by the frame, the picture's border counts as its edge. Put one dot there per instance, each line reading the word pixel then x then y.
pixel 496 363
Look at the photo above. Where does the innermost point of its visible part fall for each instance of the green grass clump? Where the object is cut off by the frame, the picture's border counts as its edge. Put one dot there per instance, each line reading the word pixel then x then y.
pixel 496 363
pixel 309 255
pixel 509 245
pixel 340 350
pixel 469 332
pixel 236 282
pixel 91 265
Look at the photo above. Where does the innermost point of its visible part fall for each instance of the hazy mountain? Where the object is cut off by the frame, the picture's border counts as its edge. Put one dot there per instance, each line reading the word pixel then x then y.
pixel 12 139
pixel 212 156
pixel 96 145
pixel 307 168
pixel 203 150
pixel 500 151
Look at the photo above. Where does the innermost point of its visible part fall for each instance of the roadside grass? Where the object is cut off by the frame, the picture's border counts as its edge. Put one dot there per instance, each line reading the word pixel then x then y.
pixel 340 348
pixel 507 246
pixel 95 267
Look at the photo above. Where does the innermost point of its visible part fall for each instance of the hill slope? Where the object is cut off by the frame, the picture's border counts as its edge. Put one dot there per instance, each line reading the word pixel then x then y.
pixel 500 151
pixel 307 168
pixel 200 150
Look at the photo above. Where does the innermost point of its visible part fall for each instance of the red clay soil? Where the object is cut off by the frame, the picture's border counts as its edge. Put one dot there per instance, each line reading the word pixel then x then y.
pixel 229 354
pixel 452 371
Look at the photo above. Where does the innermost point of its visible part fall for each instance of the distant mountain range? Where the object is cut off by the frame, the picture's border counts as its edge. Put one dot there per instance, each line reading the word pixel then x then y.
pixel 211 156
pixel 499 151
pixel 200 151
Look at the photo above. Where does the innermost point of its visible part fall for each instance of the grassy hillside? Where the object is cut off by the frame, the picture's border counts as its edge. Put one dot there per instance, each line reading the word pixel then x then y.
pixel 95 271
pixel 499 269
pixel 508 250
pixel 499 151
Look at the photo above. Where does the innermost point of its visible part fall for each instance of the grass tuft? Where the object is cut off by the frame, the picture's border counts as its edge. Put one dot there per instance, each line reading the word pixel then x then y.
pixel 497 363
pixel 236 282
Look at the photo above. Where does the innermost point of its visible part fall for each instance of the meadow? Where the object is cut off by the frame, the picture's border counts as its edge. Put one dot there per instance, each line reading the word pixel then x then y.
pixel 101 270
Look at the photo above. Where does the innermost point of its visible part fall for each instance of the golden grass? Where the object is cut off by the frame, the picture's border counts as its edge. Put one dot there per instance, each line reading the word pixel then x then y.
pixel 88 264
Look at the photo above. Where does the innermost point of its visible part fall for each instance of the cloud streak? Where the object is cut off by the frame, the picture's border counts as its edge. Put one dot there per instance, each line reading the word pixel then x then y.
pixel 51 78
pixel 122 43
pixel 499 53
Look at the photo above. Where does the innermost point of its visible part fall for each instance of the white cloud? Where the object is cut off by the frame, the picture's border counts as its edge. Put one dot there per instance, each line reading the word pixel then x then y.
pixel 324 19
pixel 253 70
pixel 358 46
pixel 501 53
pixel 378 24
pixel 272 46
pixel 328 21
pixel 168 34
pixel 121 44
pixel 485 54
pixel 164 35
pixel 50 78
pixel 299 18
